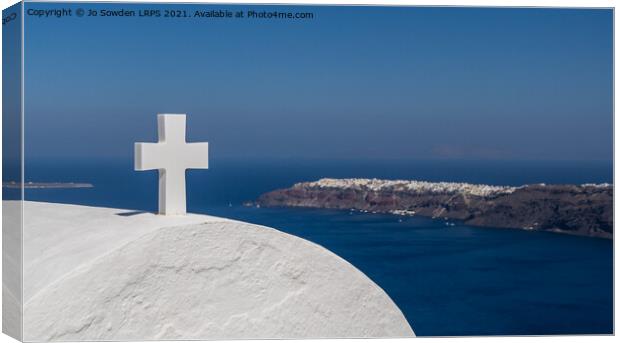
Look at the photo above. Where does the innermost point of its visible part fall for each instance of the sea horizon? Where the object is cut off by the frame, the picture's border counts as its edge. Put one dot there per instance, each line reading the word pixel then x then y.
pixel 446 277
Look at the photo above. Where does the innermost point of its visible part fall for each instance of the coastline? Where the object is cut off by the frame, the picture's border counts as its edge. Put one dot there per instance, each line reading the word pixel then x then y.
pixel 45 185
pixel 583 210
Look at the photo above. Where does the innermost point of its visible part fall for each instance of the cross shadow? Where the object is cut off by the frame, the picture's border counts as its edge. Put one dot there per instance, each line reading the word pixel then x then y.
pixel 130 213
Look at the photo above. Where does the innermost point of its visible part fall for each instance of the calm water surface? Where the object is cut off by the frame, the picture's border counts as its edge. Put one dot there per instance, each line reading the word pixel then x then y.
pixel 447 280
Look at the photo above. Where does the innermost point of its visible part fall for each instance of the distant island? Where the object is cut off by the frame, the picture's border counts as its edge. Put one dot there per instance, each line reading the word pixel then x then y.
pixel 31 185
pixel 585 210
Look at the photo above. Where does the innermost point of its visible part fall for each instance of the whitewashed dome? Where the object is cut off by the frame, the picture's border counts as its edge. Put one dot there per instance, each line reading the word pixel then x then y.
pixel 189 277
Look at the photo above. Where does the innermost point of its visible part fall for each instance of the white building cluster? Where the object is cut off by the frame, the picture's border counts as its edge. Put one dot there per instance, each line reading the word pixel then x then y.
pixel 378 185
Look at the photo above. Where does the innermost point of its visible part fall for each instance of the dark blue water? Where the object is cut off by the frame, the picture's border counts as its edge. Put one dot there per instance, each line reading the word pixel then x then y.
pixel 447 280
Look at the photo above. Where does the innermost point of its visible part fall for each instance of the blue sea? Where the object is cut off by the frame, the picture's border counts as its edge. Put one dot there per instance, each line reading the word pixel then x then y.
pixel 447 280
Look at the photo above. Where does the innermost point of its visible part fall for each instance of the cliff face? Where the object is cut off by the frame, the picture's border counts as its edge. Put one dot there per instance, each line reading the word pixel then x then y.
pixel 576 209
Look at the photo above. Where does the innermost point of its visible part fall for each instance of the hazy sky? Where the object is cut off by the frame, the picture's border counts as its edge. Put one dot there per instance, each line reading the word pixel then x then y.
pixel 353 82
pixel 11 90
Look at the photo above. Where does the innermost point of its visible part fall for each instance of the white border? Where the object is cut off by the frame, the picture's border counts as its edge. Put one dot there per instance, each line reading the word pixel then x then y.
pixel 481 3
pixel 485 3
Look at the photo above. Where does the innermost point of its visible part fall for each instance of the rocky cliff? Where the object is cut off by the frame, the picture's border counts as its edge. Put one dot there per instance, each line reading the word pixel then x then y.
pixel 575 209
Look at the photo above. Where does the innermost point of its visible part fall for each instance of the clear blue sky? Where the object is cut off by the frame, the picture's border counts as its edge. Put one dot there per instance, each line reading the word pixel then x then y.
pixel 354 82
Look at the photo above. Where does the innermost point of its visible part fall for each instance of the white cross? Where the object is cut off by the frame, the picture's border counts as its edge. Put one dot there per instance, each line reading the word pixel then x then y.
pixel 171 155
